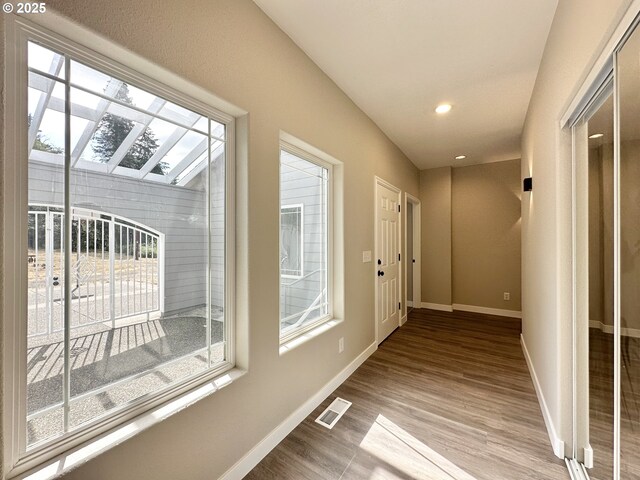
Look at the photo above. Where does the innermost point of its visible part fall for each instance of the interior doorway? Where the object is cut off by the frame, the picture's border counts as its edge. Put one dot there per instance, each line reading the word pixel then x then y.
pixel 412 260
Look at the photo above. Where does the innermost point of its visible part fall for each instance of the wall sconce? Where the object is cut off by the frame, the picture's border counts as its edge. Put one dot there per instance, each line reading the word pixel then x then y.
pixel 527 184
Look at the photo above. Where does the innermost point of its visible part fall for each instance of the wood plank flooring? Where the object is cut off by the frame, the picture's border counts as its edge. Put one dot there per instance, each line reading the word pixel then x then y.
pixel 447 396
pixel 601 404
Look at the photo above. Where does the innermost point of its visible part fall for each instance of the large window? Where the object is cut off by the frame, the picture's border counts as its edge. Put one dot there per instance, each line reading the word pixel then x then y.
pixel 126 244
pixel 304 241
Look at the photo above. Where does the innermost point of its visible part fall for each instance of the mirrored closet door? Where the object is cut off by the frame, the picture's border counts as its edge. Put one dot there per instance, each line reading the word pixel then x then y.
pixel 599 132
pixel 628 73
pixel 606 273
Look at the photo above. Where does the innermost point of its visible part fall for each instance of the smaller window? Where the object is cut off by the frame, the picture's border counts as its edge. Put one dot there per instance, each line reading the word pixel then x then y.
pixel 291 241
pixel 305 240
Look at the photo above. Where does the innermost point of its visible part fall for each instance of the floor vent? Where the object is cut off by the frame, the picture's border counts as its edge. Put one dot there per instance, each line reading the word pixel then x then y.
pixel 333 412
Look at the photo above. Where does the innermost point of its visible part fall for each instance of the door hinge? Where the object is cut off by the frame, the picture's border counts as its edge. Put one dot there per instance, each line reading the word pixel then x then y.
pixel 398 257
pixel 398 208
pixel 399 307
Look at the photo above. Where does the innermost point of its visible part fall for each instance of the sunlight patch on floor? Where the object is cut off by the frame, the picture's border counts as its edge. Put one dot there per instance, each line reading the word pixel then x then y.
pixel 405 457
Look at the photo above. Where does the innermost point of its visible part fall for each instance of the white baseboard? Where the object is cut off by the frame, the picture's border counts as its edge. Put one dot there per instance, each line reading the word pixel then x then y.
pixel 437 306
pixel 489 311
pixel 556 443
pixel 268 443
pixel 403 320
pixel 624 331
pixel 472 308
pixel 409 303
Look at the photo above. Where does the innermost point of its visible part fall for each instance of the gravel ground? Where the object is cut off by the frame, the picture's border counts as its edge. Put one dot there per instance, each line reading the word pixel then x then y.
pixel 168 349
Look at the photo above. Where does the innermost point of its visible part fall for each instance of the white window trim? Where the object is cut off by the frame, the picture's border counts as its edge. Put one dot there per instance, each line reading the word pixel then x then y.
pixel 301 207
pixel 302 150
pixel 95 51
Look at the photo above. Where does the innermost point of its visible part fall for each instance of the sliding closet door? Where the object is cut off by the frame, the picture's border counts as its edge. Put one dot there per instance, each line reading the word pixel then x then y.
pixel 629 262
pixel 600 338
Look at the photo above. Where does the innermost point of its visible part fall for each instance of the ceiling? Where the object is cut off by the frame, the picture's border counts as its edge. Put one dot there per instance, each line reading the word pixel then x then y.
pixel 398 59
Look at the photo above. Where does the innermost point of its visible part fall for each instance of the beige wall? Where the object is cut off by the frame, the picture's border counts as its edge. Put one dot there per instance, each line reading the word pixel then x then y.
pixel 629 233
pixel 471 235
pixel 606 206
pixel 486 235
pixel 2 229
pixel 435 208
pixel 601 234
pixel 596 250
pixel 232 49
pixel 576 38
pixel 410 255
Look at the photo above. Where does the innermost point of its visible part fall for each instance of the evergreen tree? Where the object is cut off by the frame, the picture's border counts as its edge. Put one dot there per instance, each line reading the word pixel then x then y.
pixel 111 132
pixel 42 142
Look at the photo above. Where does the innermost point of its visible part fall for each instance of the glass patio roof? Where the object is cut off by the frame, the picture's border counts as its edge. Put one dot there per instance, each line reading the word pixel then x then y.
pixel 116 128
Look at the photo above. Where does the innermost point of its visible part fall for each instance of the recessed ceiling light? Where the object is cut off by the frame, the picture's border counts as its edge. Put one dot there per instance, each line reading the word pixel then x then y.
pixel 596 135
pixel 443 108
pixel 461 157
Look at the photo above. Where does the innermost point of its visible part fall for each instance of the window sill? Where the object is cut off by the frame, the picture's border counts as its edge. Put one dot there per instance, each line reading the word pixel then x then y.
pixel 308 335
pixel 92 448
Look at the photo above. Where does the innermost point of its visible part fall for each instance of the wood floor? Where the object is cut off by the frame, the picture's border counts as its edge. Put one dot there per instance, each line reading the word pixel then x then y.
pixel 601 403
pixel 447 396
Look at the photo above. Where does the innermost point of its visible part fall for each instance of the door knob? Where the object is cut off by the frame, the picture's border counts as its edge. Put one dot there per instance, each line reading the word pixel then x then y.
pixel 380 273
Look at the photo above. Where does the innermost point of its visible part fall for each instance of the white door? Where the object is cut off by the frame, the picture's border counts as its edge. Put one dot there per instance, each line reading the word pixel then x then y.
pixel 387 260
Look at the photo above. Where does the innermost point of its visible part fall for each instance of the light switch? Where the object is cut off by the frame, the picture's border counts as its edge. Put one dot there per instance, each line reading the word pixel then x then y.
pixel 366 256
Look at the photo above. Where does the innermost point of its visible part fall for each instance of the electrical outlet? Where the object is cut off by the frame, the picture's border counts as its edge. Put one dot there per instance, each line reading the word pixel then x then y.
pixel 366 256
pixel 507 296
pixel 341 345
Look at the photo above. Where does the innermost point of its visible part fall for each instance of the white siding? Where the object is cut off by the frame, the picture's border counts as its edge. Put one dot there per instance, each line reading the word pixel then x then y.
pixel 177 212
pixel 298 187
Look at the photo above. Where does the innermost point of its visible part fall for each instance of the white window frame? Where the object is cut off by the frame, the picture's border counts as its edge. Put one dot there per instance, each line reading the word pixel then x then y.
pixel 96 52
pixel 298 151
pixel 301 249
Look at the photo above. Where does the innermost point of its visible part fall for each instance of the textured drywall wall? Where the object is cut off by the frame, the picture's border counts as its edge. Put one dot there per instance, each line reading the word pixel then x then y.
pixel 577 36
pixel 606 202
pixel 435 209
pixel 471 235
pixel 410 254
pixel 596 248
pixel 232 49
pixel 601 234
pixel 630 228
pixel 486 235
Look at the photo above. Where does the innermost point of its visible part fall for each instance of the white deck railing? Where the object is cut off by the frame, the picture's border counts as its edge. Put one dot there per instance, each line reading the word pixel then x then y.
pixel 300 316
pixel 117 269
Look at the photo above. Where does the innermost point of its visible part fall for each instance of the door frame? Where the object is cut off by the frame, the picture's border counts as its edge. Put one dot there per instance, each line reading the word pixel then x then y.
pixel 417 238
pixel 378 182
